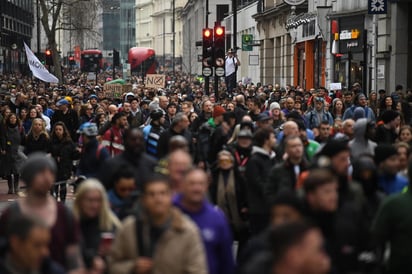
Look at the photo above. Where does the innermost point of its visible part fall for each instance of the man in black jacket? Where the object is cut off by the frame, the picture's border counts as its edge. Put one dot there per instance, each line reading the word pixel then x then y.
pixel 133 156
pixel 258 167
pixel 179 126
pixel 68 116
pixel 285 175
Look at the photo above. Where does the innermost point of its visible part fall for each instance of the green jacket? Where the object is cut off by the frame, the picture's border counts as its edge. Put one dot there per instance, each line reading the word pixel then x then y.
pixel 393 224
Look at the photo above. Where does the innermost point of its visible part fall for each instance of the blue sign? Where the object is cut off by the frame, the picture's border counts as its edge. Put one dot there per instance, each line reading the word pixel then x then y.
pixel 377 6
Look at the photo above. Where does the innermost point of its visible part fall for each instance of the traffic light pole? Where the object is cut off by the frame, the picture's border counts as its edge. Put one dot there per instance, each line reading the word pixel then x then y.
pixel 207 79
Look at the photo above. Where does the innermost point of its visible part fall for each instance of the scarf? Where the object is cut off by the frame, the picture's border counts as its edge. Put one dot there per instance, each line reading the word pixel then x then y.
pixel 226 199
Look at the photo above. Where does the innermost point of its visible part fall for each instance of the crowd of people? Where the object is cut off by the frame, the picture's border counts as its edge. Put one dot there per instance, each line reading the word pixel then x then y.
pixel 255 179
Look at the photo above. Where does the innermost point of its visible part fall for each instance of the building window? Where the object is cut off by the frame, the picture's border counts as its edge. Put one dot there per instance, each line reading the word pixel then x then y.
pixel 308 29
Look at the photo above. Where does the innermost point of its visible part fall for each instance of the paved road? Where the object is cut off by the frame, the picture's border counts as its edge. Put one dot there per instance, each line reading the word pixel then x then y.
pixel 7 199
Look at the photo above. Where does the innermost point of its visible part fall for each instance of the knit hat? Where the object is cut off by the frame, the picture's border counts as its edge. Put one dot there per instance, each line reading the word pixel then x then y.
pixel 218 111
pixel 383 152
pixel 389 116
pixel 358 113
pixel 156 114
pixel 274 105
pixel 37 162
pixel 333 147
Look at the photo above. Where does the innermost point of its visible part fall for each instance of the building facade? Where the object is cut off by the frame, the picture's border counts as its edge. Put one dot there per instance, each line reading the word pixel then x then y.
pixel 194 20
pixel 111 24
pixel 127 27
pixel 320 42
pixel 16 27
pixel 249 69
pixel 167 33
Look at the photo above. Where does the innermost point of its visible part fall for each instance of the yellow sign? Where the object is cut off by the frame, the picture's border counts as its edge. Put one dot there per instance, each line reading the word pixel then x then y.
pixel 355 34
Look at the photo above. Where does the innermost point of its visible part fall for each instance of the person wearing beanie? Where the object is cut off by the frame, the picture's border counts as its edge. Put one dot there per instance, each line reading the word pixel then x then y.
pixel 387 160
pixel 66 115
pixel 171 111
pixel 388 132
pixel 39 174
pixel 393 225
pixel 153 131
pixel 359 101
pixel 207 136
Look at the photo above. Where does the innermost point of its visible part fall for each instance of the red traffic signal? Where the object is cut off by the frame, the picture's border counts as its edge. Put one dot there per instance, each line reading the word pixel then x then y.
pixel 48 52
pixel 207 33
pixel 219 31
pixel 71 58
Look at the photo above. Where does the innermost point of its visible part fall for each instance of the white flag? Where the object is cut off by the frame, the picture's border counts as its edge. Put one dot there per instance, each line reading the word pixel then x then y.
pixel 39 71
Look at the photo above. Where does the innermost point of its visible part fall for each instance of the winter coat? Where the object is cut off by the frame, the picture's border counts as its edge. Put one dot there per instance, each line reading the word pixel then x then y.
pixel 360 144
pixel 281 177
pixel 40 145
pixel 63 153
pixel 393 224
pixel 143 166
pixel 70 119
pixel 257 170
pixel 179 250
pixel 10 140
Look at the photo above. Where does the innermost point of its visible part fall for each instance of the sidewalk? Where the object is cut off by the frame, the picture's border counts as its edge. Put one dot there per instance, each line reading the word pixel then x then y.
pixel 6 199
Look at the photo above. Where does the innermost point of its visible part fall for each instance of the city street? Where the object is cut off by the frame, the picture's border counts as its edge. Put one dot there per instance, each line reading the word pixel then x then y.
pixel 7 199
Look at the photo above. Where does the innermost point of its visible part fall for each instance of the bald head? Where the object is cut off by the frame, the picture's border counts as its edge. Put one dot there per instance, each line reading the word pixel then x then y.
pixel 112 109
pixel 179 162
pixel 290 128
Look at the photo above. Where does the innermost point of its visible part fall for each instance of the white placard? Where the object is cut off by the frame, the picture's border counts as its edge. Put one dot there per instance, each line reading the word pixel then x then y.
pixel 335 86
pixel 380 72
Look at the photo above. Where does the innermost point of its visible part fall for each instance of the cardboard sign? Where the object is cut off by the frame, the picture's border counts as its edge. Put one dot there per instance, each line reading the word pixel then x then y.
pixel 155 81
pixel 335 86
pixel 116 90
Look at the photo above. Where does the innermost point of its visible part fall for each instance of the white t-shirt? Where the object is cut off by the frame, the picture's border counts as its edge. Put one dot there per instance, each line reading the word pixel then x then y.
pixel 230 65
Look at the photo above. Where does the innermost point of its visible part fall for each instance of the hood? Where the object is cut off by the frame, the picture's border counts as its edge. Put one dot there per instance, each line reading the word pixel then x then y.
pixel 260 150
pixel 359 128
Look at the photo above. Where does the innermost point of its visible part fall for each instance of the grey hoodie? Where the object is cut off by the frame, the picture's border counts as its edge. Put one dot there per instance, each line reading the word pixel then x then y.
pixel 360 144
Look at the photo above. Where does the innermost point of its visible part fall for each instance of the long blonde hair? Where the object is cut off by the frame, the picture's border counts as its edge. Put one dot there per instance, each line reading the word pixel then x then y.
pixel 43 129
pixel 107 219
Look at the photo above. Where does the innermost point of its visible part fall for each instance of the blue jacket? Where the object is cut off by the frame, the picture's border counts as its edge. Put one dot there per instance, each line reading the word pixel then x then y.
pixel 369 114
pixel 392 184
pixel 312 119
pixel 216 236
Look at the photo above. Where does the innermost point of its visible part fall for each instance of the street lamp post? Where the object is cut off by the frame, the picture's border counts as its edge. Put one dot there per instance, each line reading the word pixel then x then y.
pixel 174 36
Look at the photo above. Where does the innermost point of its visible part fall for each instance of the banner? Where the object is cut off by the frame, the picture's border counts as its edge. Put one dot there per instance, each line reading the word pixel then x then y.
pixel 155 81
pixel 37 68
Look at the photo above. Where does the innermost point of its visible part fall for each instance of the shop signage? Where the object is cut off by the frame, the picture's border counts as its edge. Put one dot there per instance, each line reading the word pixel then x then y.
pixel 377 6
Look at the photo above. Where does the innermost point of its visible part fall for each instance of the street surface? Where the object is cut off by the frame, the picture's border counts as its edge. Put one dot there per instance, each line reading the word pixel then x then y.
pixel 7 199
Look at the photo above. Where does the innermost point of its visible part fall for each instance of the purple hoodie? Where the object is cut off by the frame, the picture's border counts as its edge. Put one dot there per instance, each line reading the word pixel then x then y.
pixel 216 236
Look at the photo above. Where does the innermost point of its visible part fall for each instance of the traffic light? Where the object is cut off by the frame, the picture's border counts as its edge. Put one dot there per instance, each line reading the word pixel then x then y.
pixel 49 57
pixel 207 57
pixel 219 50
pixel 116 58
